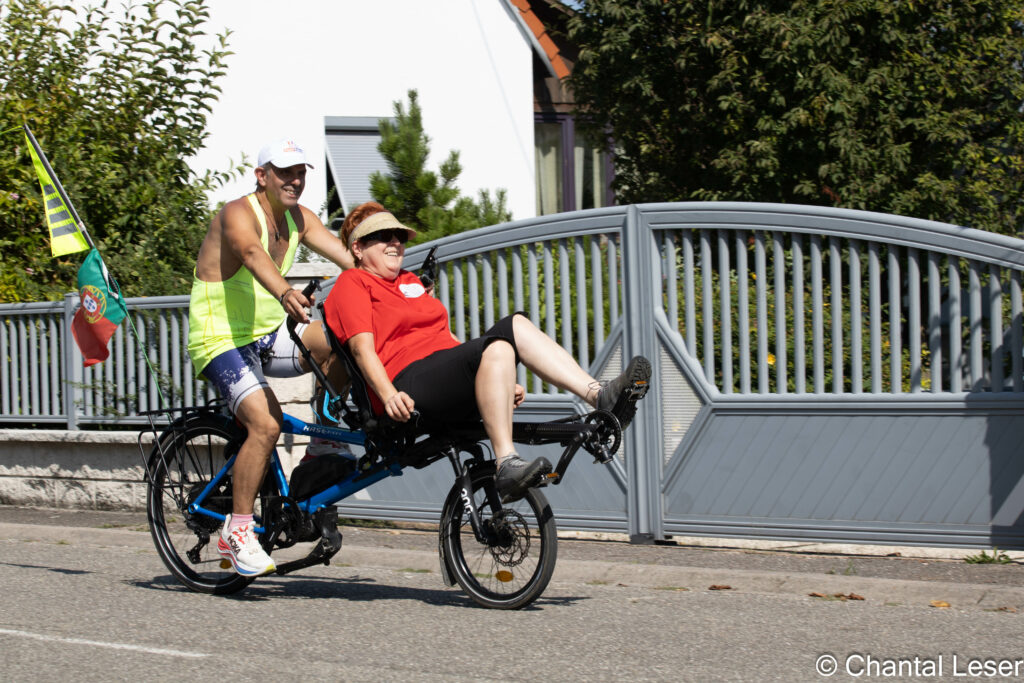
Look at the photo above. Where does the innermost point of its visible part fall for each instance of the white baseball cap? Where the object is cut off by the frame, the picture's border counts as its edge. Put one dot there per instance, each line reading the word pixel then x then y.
pixel 282 153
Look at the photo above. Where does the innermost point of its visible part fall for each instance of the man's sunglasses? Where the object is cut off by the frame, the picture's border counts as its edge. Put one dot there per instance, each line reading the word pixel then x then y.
pixel 387 235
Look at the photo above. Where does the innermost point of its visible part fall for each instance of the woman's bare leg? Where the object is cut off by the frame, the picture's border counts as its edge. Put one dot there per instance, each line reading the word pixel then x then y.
pixel 495 395
pixel 552 363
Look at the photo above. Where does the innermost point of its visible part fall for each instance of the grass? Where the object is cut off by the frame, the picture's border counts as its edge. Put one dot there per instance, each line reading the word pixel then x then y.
pixel 410 570
pixel 997 557
pixel 849 571
pixel 131 527
pixel 367 523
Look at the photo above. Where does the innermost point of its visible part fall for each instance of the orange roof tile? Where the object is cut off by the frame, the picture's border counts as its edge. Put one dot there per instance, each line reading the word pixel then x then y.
pixel 551 51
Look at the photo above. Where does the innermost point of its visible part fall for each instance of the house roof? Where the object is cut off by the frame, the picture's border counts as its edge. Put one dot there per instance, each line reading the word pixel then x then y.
pixel 537 34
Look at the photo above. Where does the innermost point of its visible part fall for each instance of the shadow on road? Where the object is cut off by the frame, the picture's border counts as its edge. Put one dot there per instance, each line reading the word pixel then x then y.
pixel 354 588
pixel 58 570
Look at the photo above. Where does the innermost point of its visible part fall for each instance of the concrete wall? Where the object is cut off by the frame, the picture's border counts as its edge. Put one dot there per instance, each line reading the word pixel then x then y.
pixel 91 470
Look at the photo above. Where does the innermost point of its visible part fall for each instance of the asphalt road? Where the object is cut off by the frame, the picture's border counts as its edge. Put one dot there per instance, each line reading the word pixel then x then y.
pixel 89 600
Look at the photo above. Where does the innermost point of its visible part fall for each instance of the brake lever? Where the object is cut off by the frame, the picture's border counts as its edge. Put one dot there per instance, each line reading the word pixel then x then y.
pixel 428 271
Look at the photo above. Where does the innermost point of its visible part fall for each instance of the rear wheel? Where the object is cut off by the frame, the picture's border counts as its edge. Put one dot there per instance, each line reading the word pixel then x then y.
pixel 514 566
pixel 187 543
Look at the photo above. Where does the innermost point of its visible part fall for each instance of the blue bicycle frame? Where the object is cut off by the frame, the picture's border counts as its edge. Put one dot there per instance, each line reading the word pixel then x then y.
pixel 357 481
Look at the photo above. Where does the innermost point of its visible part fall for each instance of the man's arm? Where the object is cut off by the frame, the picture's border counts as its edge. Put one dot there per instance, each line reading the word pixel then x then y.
pixel 241 235
pixel 319 239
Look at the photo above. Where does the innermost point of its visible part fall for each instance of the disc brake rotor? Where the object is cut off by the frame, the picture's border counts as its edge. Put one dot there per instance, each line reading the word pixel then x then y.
pixel 513 536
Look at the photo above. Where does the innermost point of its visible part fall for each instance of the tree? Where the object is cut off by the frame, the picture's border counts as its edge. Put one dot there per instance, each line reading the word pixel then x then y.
pixel 902 107
pixel 422 199
pixel 118 102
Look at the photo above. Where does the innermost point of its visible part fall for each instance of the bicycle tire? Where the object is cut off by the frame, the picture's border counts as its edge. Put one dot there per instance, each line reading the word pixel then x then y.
pixel 507 575
pixel 194 452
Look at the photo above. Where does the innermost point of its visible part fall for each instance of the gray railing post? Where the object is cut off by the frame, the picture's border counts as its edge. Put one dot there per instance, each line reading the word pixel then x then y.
pixel 640 276
pixel 72 368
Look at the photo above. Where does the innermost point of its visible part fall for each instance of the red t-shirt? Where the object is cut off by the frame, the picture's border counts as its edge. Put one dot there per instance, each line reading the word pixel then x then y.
pixel 407 323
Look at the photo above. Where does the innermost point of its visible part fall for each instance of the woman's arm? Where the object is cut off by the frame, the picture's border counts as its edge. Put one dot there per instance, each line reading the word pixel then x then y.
pixel 397 404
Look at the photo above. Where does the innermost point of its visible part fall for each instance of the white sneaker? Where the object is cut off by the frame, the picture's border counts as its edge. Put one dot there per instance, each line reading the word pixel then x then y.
pixel 241 547
pixel 319 446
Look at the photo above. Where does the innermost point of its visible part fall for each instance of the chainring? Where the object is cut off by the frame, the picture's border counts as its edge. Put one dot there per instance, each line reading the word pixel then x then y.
pixel 604 441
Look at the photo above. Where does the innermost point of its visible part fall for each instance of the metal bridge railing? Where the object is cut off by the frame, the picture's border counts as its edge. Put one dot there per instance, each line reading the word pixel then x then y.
pixel 767 300
pixel 44 381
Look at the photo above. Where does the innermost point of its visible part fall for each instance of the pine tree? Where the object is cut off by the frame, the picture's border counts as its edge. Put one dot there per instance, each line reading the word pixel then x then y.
pixel 424 200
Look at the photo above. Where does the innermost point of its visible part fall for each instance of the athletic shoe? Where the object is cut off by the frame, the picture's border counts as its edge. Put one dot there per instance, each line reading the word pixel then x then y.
pixel 241 547
pixel 619 396
pixel 319 446
pixel 515 476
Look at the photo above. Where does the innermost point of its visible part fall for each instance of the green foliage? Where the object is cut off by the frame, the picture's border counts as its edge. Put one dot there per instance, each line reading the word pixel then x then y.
pixel 997 557
pixel 909 108
pixel 426 201
pixel 118 101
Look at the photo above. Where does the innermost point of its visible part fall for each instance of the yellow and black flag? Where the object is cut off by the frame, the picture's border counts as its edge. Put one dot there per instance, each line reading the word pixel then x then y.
pixel 67 234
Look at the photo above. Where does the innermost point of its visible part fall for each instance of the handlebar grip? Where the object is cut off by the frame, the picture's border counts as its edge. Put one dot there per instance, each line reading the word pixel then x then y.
pixel 290 323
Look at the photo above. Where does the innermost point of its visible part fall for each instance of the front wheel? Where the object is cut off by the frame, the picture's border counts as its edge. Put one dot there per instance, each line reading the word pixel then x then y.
pixel 181 466
pixel 514 566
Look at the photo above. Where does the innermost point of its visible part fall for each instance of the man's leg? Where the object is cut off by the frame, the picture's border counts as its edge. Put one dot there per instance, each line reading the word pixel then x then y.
pixel 260 414
pixel 315 339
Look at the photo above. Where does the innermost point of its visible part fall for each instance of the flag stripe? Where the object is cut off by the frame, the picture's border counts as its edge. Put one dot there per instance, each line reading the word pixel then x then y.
pixel 67 235
pixel 68 229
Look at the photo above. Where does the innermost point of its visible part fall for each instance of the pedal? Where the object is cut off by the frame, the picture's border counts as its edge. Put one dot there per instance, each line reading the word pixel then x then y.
pixel 326 519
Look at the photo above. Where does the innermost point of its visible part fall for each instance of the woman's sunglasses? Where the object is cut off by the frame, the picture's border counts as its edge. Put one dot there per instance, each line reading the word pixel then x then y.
pixel 387 235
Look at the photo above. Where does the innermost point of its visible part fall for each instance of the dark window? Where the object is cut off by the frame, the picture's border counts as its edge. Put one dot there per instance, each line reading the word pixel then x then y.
pixel 572 174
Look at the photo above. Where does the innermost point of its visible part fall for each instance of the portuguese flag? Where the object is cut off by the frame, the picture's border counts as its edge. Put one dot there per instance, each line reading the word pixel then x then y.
pixel 101 312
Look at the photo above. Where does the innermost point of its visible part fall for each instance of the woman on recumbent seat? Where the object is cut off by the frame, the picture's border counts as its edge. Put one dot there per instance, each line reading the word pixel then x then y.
pixel 399 336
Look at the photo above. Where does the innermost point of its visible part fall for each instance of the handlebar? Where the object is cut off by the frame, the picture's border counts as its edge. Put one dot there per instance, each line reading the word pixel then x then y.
pixel 291 322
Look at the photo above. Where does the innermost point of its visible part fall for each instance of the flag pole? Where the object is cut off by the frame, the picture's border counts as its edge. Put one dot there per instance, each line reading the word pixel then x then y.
pixel 57 185
pixel 112 284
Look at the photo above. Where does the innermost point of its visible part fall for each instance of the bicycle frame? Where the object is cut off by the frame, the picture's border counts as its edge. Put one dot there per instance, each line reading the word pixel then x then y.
pixel 355 482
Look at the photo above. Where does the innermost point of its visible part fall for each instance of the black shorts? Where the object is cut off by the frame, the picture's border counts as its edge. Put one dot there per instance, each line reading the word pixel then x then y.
pixel 443 384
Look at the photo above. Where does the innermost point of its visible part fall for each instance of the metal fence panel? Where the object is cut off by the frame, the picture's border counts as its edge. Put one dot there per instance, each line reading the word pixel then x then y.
pixel 819 373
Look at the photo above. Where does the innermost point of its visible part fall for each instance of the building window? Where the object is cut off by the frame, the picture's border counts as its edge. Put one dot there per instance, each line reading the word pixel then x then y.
pixel 352 157
pixel 572 174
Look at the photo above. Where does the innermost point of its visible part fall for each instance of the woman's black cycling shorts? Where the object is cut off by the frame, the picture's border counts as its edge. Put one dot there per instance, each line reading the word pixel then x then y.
pixel 443 384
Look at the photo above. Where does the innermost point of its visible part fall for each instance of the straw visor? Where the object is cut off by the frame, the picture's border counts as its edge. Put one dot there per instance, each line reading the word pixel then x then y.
pixel 378 221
